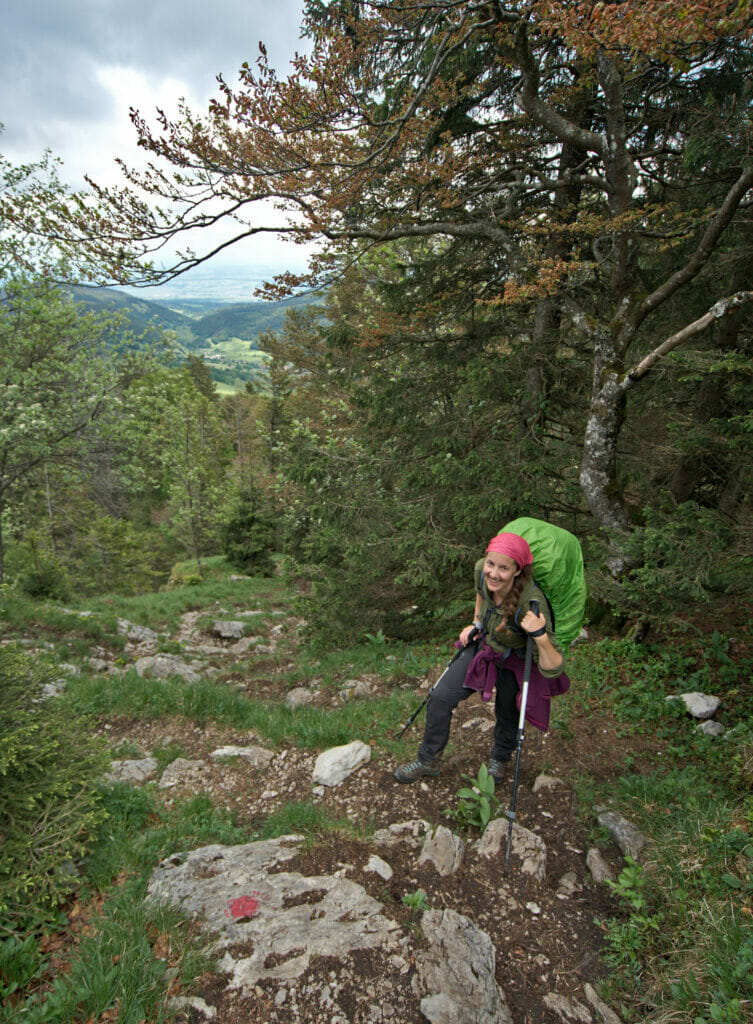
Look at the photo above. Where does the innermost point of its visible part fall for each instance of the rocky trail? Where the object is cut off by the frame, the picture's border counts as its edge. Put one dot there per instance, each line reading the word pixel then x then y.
pixel 417 920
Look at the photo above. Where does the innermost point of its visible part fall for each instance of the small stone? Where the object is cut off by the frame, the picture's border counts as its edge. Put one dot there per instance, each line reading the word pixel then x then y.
pixel 600 870
pixel 533 908
pixel 699 705
pixel 379 867
pixel 546 782
pixel 444 850
pixel 625 834
pixel 568 886
pixel 336 764
pixel 709 728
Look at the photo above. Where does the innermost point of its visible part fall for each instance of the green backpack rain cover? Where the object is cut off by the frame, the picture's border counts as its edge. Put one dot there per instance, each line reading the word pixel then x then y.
pixel 558 569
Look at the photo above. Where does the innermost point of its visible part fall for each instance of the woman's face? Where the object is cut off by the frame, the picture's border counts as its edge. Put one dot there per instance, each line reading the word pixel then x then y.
pixel 499 572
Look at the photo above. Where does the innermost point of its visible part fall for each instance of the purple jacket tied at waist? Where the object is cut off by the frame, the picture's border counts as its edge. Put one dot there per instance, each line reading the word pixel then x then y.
pixel 482 675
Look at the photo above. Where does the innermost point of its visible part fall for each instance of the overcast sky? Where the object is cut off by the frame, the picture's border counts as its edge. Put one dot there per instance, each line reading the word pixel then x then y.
pixel 71 69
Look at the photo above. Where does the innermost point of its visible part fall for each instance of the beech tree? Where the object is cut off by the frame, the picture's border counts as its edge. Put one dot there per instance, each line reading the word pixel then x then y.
pixel 592 156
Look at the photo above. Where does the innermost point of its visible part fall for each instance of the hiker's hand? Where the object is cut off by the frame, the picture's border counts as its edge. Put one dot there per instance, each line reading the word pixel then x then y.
pixel 533 623
pixel 466 635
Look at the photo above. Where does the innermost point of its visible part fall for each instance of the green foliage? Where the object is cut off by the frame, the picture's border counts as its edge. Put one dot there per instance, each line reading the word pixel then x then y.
pixel 416 901
pixel 304 818
pixel 630 940
pixel 42 575
pixel 476 804
pixel 250 536
pixel 48 800
pixel 21 963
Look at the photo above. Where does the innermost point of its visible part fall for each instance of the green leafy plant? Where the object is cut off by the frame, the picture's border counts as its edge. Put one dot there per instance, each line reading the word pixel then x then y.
pixel 416 901
pixel 629 939
pixel 476 803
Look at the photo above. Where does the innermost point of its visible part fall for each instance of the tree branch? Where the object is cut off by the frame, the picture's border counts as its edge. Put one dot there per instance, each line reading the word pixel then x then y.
pixel 717 311
pixel 708 242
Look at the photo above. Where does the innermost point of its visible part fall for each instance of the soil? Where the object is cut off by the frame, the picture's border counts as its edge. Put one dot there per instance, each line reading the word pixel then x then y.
pixel 547 941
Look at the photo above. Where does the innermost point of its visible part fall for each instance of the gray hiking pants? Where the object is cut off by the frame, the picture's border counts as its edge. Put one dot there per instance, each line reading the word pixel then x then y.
pixel 449 692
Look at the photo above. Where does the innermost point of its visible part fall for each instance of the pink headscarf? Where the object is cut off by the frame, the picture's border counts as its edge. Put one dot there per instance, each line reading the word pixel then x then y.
pixel 513 546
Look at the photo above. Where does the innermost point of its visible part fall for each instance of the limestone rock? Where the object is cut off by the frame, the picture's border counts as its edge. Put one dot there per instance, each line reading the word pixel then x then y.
pixel 379 867
pixel 258 757
pixel 182 772
pixel 194 1003
pixel 444 850
pixel 132 771
pixel 228 630
pixel 600 870
pixel 628 838
pixel 411 832
pixel 568 886
pixel 699 705
pixel 242 646
pixel 546 782
pixel 455 975
pixel 526 846
pixel 251 906
pixel 568 1009
pixel 605 1012
pixel 709 728
pixel 135 633
pixel 162 666
pixel 335 765
pixel 299 696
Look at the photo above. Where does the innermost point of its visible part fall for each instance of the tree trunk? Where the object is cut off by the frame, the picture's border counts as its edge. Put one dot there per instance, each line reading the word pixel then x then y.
pixel 598 470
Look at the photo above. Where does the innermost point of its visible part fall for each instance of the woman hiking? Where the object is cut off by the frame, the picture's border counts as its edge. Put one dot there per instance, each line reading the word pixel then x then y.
pixel 493 648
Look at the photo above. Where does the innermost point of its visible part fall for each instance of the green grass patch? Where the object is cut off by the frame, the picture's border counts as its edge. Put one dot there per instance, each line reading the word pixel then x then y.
pixel 311 728
pixel 310 820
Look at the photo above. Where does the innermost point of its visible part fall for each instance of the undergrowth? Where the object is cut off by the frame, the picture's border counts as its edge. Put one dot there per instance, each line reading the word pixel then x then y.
pixel 682 950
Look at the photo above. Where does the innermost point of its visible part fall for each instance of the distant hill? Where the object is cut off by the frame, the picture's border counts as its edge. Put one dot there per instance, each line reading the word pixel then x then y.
pixel 248 320
pixel 141 313
pixel 197 323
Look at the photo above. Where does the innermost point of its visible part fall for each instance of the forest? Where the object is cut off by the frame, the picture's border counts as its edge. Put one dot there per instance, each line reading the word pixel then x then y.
pixel 535 223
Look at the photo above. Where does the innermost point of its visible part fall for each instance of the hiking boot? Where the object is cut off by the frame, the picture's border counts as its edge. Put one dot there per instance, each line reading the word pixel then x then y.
pixel 497 770
pixel 415 770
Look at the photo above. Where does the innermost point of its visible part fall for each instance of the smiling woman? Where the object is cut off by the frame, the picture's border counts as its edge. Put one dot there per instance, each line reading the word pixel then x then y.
pixel 510 612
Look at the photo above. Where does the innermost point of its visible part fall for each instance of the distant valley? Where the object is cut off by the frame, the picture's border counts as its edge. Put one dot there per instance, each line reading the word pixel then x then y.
pixel 224 334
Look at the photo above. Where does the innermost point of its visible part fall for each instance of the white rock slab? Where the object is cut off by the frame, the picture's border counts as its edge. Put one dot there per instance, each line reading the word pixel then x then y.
pixel 335 765
pixel 246 901
pixel 258 757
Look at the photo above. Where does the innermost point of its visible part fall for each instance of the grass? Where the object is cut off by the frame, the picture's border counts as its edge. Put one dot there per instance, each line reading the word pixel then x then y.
pixel 311 728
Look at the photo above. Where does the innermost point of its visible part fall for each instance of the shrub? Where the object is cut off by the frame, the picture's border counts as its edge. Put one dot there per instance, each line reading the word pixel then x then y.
pixel 48 797
pixel 249 537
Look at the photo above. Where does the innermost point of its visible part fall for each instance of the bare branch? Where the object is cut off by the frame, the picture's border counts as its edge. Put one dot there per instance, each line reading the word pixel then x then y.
pixel 717 311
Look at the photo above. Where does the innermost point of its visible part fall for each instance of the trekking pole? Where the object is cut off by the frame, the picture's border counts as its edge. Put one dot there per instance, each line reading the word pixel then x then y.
pixel 425 701
pixel 521 736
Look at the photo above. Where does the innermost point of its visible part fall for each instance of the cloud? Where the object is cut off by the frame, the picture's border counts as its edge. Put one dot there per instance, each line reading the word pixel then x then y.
pixel 59 60
pixel 71 70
